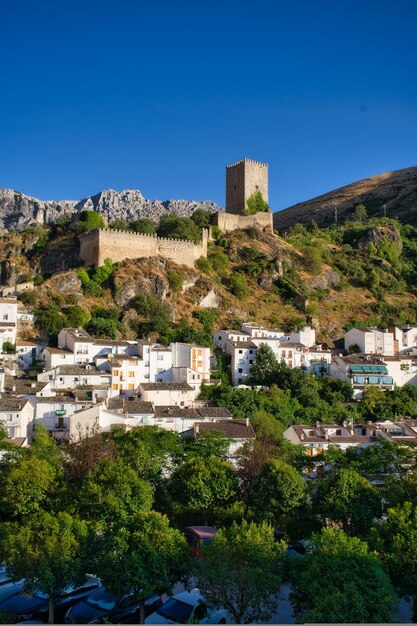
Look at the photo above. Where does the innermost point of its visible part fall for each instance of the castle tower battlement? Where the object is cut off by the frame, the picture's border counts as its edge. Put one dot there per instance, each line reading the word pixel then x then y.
pixel 244 178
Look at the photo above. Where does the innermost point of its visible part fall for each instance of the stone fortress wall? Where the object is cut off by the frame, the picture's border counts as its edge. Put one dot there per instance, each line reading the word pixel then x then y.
pixel 118 245
pixel 243 178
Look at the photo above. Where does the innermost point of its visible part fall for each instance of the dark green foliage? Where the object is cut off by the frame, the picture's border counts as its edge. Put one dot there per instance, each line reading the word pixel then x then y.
pixel 118 225
pixel 100 274
pixel 143 226
pixel 219 261
pixel 104 322
pixel 9 348
pixel 203 265
pixel 349 500
pixel 256 204
pixel 50 320
pixel 156 315
pixel 265 368
pixel 89 220
pixel 240 571
pixel 175 281
pixel 278 490
pixel 186 333
pixel 255 261
pixel 202 484
pixel 238 286
pixel 312 259
pixel 341 581
pixel 76 316
pixel 29 297
pixel 174 227
pixel 201 218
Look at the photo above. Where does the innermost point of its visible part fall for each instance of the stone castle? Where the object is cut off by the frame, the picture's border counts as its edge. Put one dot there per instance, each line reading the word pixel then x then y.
pixel 242 180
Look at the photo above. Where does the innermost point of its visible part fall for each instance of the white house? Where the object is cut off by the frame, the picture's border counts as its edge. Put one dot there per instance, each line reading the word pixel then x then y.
pixel 317 439
pixel 361 371
pixel 196 358
pixel 406 336
pixel 371 341
pixel 243 355
pixel 306 336
pixel 27 352
pixel 54 357
pixel 180 419
pixel 17 415
pixel 166 394
pixel 8 320
pixel 71 376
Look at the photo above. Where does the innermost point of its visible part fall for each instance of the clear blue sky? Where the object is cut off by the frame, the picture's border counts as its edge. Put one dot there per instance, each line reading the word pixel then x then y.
pixel 160 96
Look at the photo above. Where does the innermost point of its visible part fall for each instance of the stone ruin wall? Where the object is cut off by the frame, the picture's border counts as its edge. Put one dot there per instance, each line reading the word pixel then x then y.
pixel 117 245
pixel 227 222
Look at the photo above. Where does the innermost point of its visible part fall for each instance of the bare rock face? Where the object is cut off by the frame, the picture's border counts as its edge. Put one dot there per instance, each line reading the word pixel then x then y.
pixel 18 211
pixel 66 282
pixel 211 299
pixel 329 278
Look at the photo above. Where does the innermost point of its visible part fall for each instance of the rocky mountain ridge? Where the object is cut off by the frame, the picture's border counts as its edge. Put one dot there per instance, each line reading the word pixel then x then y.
pixel 17 210
pixel 392 194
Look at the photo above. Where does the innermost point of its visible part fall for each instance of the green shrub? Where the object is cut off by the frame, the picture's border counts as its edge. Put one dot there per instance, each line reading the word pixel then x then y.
pixel 312 259
pixel 92 289
pixel 256 204
pixel 38 280
pixel 143 226
pixel 9 348
pixel 219 261
pixel 89 220
pixel 76 316
pixel 175 227
pixel 203 265
pixel 175 281
pixel 201 218
pixel 29 297
pixel 215 232
pixel 238 286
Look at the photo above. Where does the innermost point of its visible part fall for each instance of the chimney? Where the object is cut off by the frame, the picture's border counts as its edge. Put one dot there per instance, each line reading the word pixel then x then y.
pixel 196 428
pixel 33 385
pixel 247 422
pixel 326 435
pixel 302 436
pixel 13 388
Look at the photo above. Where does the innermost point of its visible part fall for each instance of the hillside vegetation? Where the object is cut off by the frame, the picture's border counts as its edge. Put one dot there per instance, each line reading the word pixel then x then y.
pixel 361 272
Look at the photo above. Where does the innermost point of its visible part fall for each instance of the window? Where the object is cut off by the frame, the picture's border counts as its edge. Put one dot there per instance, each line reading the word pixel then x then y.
pixel 363 431
pixel 5 316
pixel 240 351
pixel 250 351
pixel 160 357
pixel 239 381
pixel 283 353
pixel 9 416
pixel 240 370
pixel 115 387
pixel 131 386
pixel 338 432
pixel 250 361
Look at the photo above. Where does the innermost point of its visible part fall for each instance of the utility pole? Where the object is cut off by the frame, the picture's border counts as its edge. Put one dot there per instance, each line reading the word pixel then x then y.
pixel 335 214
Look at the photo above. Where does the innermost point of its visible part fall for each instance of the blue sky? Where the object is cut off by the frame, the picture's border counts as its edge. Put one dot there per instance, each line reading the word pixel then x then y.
pixel 160 96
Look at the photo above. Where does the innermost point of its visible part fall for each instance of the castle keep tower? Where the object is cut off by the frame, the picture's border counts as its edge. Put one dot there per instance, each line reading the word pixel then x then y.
pixel 242 180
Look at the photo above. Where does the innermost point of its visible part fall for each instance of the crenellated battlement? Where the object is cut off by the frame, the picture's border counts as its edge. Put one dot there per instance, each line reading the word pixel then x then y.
pixel 102 243
pixel 246 160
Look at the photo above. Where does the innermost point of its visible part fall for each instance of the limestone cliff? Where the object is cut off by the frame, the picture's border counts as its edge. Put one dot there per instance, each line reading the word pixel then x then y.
pixel 18 210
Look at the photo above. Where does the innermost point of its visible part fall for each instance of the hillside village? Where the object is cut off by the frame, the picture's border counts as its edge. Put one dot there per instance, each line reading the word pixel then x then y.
pixel 213 371
pixel 88 384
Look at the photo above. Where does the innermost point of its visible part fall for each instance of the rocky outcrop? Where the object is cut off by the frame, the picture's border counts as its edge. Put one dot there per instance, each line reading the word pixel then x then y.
pixel 18 210
pixel 380 235
pixel 329 278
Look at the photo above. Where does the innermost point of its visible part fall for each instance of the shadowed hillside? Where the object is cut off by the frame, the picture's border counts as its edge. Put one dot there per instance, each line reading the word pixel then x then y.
pixel 396 190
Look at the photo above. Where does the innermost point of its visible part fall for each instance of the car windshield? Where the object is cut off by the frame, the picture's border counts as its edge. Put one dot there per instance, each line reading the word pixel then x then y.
pixel 176 610
pixel 102 599
pixel 40 595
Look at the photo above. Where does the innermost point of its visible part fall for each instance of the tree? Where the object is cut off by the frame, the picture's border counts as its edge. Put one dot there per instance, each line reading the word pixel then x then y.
pixel 143 226
pixel 341 581
pixel 50 320
pixel 239 286
pixel 89 220
pixel 278 490
pixel 251 459
pixel 265 367
pixel 176 227
pixel 203 484
pixel 25 487
pixel 396 543
pixel 347 499
pixel 207 444
pixel 118 225
pixel 47 550
pixel 83 456
pixel 77 316
pixel 201 218
pixel 113 492
pixel 146 555
pixel 240 571
pixel 256 204
pixel 360 214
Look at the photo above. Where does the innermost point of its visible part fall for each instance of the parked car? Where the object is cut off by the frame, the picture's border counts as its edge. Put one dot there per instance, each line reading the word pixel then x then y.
pixel 104 607
pixel 9 588
pixel 196 535
pixel 28 605
pixel 188 607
